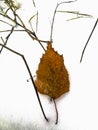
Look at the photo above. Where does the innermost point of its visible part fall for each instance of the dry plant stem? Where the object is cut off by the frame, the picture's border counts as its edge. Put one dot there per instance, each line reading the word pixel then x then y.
pixel 23 31
pixel 53 19
pixel 11 31
pixel 88 40
pixel 26 64
pixel 30 21
pixel 34 3
pixel 5 22
pixel 14 13
pixel 80 15
pixel 30 33
pixel 36 21
pixel 23 25
pixel 74 12
pixel 56 111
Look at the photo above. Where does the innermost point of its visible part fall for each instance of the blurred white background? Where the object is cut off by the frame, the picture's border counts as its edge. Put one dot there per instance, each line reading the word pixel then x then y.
pixel 78 110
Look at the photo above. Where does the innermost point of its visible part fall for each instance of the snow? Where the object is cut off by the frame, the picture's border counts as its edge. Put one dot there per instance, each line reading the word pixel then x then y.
pixel 78 110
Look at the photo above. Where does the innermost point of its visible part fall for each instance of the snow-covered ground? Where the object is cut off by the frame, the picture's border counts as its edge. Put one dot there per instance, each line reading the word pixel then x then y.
pixel 78 110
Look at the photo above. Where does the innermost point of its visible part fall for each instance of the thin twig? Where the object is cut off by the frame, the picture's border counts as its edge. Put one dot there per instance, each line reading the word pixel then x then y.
pixel 37 22
pixel 34 3
pixel 10 4
pixel 5 22
pixel 75 12
pixel 53 19
pixel 88 40
pixel 21 30
pixel 26 64
pixel 56 111
pixel 28 31
pixel 7 38
pixel 31 34
pixel 31 23
pixel 20 25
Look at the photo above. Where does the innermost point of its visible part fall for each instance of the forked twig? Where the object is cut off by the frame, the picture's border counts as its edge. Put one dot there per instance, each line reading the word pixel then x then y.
pixel 26 64
pixel 36 21
pixel 11 31
pixel 53 19
pixel 79 15
pixel 11 6
pixel 30 33
pixel 88 40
